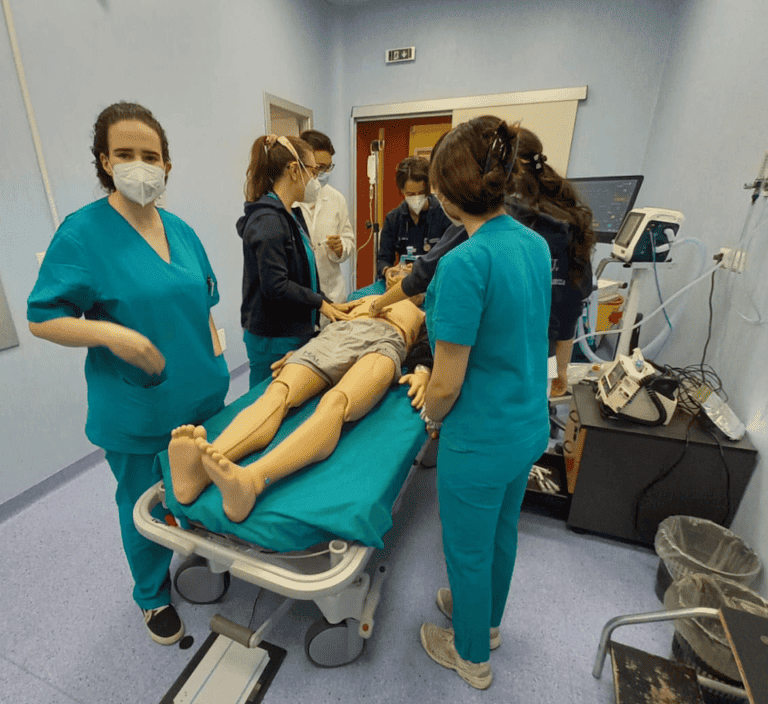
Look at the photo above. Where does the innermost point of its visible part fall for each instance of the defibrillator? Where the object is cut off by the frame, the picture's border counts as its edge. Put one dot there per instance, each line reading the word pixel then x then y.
pixel 634 390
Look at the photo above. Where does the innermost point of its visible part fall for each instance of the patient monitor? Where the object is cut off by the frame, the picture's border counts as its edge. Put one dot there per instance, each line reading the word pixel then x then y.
pixel 646 234
pixel 634 390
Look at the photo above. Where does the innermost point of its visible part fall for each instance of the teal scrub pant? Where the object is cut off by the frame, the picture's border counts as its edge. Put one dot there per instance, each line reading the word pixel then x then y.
pixel 480 495
pixel 263 352
pixel 149 562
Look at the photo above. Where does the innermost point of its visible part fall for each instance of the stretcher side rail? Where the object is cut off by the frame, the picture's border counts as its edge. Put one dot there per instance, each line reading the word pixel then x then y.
pixel 310 577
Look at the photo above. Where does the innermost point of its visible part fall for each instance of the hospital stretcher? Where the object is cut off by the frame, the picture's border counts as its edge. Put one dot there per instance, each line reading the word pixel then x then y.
pixel 309 536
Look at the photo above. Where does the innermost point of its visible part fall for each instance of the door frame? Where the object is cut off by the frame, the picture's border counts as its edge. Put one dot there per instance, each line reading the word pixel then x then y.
pixel 439 107
pixel 270 100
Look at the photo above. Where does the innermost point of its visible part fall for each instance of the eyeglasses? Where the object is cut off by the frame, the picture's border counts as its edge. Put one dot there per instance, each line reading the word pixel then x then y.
pixel 313 170
pixel 325 168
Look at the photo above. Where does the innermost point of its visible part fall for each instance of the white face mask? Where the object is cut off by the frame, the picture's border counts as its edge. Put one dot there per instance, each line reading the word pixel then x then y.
pixel 139 182
pixel 456 222
pixel 416 203
pixel 311 188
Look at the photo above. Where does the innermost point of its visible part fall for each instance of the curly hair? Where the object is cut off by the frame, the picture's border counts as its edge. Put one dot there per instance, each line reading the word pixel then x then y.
pixel 117 112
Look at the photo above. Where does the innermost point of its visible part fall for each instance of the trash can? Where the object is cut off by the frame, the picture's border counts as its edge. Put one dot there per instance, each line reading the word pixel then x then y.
pixel 711 652
pixel 688 545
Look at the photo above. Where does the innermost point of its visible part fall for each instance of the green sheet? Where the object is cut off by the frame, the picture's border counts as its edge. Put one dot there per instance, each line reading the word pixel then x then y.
pixel 349 495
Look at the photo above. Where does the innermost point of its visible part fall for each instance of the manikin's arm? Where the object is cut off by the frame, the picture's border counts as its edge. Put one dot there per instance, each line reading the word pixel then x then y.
pixel 447 378
pixel 214 336
pixel 563 351
pixel 123 342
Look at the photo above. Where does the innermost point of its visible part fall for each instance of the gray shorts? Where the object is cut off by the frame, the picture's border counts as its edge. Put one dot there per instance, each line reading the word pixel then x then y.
pixel 339 345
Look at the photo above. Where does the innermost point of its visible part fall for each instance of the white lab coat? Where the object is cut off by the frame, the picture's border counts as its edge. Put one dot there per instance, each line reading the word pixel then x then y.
pixel 329 215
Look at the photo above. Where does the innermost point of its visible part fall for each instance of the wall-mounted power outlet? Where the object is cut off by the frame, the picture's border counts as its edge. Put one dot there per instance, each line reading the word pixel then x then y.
pixel 733 259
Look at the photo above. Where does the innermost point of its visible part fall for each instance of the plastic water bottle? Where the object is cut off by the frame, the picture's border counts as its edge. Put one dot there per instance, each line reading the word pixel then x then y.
pixel 722 416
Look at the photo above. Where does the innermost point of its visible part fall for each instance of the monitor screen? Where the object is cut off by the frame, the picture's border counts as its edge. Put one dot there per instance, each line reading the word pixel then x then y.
pixel 610 198
pixel 628 229
pixel 615 376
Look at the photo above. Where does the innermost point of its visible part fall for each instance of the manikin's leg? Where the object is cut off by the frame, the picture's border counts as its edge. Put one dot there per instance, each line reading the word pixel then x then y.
pixel 315 439
pixel 252 429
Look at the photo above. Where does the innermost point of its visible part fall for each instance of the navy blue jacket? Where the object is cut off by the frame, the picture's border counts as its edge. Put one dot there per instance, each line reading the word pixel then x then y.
pixel 567 300
pixel 400 232
pixel 278 300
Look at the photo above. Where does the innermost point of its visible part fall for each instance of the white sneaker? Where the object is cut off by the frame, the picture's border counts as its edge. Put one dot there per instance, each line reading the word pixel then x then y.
pixel 445 604
pixel 439 644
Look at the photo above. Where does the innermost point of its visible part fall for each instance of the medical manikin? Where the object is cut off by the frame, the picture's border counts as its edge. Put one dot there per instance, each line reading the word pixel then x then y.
pixel 352 363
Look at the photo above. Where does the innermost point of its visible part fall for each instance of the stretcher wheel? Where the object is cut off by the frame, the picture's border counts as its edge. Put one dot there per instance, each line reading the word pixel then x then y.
pixel 333 644
pixel 195 582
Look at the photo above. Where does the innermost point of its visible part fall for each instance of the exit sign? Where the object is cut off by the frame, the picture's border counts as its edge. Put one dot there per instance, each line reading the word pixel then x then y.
pixel 397 55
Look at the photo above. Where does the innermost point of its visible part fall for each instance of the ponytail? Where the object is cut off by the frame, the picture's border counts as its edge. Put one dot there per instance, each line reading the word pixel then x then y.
pixel 270 156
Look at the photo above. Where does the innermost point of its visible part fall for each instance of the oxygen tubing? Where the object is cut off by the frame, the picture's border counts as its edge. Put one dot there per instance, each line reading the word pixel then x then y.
pixel 653 347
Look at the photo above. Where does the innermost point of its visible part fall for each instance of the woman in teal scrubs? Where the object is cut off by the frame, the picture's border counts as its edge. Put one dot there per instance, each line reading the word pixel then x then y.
pixel 487 316
pixel 133 284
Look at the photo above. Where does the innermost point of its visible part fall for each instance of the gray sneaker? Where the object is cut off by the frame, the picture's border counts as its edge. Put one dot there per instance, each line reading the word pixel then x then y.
pixel 445 604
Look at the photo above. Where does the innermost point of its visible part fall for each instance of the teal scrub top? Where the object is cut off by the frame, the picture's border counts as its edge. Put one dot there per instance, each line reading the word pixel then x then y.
pixel 492 293
pixel 99 266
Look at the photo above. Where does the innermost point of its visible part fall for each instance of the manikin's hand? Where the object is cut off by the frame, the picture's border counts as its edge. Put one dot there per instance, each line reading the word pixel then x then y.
pixel 333 312
pixel 134 348
pixel 559 387
pixel 351 305
pixel 376 310
pixel 335 245
pixel 418 381
pixel 277 366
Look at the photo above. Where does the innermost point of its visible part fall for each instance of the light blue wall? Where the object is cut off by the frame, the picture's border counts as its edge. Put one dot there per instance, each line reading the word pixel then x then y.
pixel 617 49
pixel 202 67
pixel 708 139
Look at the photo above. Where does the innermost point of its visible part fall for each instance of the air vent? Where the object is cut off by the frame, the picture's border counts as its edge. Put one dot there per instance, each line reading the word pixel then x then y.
pixel 396 56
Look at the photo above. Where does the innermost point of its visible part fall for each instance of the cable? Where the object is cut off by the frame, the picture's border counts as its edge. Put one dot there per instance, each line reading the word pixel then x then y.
pixel 658 285
pixel 644 491
pixel 709 327
pixel 727 477
pixel 255 601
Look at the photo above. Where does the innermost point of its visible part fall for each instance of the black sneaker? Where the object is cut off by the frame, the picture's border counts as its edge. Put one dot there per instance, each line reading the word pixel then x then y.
pixel 164 625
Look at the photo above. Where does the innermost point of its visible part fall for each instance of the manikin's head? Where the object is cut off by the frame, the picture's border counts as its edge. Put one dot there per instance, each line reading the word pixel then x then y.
pixel 395 274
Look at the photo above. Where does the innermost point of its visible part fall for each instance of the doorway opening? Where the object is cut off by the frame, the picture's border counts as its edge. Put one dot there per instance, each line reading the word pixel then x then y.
pixel 392 140
pixel 282 117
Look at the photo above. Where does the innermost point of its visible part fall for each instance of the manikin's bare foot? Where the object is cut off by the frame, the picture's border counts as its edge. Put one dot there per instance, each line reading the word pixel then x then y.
pixel 184 457
pixel 236 483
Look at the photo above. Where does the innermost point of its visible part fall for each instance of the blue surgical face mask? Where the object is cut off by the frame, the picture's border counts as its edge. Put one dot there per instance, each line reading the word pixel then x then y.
pixel 323 178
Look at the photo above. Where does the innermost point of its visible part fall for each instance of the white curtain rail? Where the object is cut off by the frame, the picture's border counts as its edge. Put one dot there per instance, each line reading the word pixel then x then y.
pixel 30 112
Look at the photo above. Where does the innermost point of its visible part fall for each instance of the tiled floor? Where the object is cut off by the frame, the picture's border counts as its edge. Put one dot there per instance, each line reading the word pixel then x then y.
pixel 72 634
